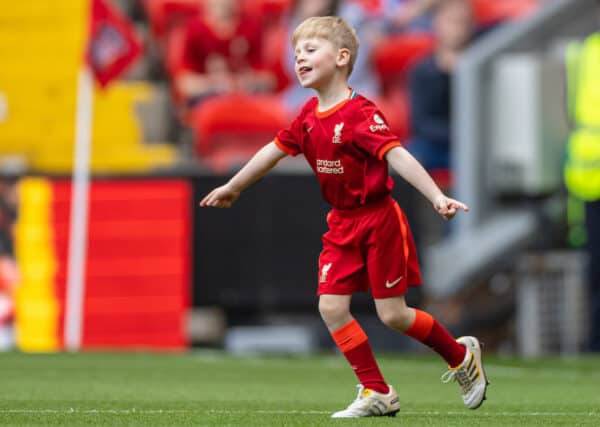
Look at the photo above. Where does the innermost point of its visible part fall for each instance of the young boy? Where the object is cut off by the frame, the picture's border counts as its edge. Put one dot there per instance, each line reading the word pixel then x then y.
pixel 348 144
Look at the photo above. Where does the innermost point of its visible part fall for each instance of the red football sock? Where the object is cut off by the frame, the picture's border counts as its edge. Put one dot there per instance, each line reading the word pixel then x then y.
pixel 431 333
pixel 353 342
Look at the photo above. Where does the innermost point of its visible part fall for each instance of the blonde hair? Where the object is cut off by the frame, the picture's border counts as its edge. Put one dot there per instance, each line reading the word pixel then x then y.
pixel 333 29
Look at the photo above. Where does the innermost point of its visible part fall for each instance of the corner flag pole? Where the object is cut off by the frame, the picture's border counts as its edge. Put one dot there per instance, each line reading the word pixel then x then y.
pixel 78 232
pixel 112 47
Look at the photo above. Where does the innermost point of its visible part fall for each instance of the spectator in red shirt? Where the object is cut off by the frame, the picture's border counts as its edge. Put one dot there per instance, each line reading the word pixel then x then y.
pixel 222 54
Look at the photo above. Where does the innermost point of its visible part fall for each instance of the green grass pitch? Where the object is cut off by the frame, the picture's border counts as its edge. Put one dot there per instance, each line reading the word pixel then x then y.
pixel 214 389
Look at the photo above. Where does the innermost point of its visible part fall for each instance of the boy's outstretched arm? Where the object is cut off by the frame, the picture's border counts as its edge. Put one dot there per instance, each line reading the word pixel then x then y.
pixel 411 170
pixel 262 162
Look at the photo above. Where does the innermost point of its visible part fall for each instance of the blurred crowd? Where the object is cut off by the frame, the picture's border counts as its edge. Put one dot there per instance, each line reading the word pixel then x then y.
pixel 9 273
pixel 229 65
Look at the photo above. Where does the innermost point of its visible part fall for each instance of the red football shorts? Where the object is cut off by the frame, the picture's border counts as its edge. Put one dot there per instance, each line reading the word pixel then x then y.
pixel 368 247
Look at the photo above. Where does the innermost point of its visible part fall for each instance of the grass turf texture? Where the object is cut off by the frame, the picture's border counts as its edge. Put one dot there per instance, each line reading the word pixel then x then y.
pixel 214 389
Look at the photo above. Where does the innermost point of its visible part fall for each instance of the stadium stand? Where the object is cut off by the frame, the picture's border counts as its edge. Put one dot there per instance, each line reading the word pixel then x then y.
pixel 137 274
pixel 41 91
pixel 393 58
pixel 491 12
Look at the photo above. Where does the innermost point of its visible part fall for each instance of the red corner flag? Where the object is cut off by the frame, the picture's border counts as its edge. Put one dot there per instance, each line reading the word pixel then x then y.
pixel 113 45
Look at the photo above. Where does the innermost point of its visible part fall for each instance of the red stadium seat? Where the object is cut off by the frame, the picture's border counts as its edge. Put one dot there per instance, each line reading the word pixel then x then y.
pixel 394 56
pixel 271 11
pixel 396 109
pixel 164 15
pixel 489 12
pixel 229 129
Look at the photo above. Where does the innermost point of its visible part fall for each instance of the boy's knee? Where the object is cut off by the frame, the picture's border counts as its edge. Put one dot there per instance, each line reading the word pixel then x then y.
pixel 397 319
pixel 332 310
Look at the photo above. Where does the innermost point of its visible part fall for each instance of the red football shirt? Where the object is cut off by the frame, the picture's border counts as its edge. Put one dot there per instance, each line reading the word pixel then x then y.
pixel 240 50
pixel 344 146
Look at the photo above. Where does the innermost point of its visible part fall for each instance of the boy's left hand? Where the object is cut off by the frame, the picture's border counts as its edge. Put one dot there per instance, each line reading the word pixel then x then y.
pixel 448 207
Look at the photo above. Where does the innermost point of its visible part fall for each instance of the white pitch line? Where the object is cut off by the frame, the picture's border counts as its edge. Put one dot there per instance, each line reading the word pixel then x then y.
pixel 284 412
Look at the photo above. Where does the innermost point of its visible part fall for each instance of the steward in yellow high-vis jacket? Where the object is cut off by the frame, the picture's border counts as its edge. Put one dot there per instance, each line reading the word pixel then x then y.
pixel 582 166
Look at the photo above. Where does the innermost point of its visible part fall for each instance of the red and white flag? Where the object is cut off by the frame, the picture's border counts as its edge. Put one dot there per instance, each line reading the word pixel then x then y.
pixel 113 45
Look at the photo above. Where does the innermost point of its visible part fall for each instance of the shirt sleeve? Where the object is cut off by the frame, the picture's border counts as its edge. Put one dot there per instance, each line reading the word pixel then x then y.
pixel 372 132
pixel 289 139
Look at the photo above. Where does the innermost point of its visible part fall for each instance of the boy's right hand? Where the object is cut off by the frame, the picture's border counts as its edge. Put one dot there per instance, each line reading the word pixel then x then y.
pixel 220 197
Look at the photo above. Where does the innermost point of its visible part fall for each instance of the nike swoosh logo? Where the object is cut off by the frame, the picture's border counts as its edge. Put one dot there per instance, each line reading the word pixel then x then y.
pixel 394 283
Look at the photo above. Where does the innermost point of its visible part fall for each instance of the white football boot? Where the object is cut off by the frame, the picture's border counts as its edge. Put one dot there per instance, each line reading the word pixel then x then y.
pixel 469 374
pixel 370 403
